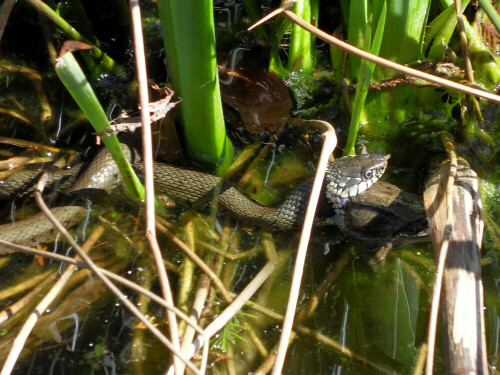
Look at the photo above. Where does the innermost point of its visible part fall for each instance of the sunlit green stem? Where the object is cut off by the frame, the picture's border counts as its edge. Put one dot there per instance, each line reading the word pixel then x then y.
pixel 106 63
pixel 365 74
pixel 276 34
pixel 73 78
pixel 302 56
pixel 404 32
pixel 359 31
pixel 189 38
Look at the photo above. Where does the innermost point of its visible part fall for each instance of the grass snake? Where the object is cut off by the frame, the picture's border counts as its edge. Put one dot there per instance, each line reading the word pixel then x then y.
pixel 345 178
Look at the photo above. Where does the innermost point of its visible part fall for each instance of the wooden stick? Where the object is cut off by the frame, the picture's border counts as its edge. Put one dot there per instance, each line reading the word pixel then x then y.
pixel 140 61
pixel 462 289
pixel 43 305
pixel 329 144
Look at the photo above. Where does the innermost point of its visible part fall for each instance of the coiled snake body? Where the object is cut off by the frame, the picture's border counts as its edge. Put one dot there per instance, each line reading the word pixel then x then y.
pixel 344 178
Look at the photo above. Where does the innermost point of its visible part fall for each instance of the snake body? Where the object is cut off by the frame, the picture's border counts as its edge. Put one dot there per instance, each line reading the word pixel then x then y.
pixel 345 178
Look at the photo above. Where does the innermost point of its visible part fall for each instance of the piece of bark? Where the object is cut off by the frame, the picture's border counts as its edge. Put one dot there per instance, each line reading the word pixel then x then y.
pixel 462 291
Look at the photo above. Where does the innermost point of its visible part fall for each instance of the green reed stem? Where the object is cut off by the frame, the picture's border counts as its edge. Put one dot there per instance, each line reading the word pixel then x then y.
pixel 189 38
pixel 365 75
pixel 73 78
pixel 105 63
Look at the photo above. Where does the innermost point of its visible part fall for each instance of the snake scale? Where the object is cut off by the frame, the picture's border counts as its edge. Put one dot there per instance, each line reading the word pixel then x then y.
pixel 345 178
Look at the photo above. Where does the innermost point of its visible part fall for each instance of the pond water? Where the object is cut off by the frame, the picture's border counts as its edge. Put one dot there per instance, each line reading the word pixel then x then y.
pixel 362 310
pixel 369 304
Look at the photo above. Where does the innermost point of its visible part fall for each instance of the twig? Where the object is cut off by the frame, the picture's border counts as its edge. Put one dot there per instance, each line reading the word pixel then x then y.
pixel 239 301
pixel 186 276
pixel 126 302
pixel 24 286
pixel 195 258
pixel 463 41
pixel 138 346
pixel 36 80
pixel 307 310
pixel 233 257
pixel 420 362
pixel 330 141
pixel 342 349
pixel 232 309
pixel 196 310
pixel 256 340
pixel 14 309
pixel 265 150
pixel 443 252
pixel 200 298
pixel 42 306
pixel 469 72
pixel 274 13
pixel 218 263
pixel 119 279
pixel 304 312
pixel 148 173
pixel 389 64
pixel 241 160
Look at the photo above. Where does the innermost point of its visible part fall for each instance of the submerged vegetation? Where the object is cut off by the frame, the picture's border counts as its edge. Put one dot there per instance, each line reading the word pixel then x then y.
pixel 236 102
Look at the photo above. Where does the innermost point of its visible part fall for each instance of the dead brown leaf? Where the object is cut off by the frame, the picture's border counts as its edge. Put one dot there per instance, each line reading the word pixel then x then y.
pixel 260 97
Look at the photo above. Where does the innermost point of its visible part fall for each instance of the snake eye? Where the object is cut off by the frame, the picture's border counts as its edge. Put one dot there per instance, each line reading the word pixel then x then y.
pixel 368 174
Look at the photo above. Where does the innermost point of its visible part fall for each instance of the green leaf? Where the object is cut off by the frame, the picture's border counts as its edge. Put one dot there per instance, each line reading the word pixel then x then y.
pixel 404 32
pixel 359 31
pixel 73 78
pixel 366 72
pixel 440 30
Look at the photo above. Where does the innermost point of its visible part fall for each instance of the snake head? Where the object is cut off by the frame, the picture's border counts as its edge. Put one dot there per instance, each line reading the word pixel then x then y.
pixel 351 175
